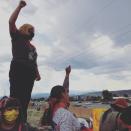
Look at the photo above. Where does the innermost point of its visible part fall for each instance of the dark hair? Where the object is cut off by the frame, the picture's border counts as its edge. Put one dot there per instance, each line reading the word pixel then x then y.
pixel 7 102
pixel 56 92
pixel 55 97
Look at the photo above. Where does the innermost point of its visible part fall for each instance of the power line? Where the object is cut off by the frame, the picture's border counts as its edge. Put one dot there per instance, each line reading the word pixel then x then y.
pixel 98 12
pixel 94 16
pixel 101 43
pixel 90 49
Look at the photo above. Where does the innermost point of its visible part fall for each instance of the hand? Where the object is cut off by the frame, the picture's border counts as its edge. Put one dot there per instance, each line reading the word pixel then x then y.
pixel 22 4
pixel 68 70
pixel 38 78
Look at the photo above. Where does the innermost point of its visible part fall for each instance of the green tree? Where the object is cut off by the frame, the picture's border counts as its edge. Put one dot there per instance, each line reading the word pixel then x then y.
pixel 107 96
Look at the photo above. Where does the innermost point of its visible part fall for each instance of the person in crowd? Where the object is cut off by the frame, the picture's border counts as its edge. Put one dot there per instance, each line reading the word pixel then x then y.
pixel 124 120
pixel 62 119
pixel 57 115
pixel 110 117
pixel 11 117
pixel 23 68
pixel 46 119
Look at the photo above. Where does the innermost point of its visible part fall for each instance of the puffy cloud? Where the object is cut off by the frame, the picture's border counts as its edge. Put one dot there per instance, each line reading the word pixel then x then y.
pixel 92 36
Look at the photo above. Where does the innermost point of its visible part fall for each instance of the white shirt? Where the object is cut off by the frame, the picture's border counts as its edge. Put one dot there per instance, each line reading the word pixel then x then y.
pixel 65 121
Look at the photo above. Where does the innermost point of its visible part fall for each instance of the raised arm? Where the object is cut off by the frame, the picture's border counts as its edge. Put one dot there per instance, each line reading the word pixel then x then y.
pixel 66 80
pixel 14 16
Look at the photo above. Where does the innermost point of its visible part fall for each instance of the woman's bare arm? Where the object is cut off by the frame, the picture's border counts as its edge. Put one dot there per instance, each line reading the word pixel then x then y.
pixel 14 16
pixel 66 80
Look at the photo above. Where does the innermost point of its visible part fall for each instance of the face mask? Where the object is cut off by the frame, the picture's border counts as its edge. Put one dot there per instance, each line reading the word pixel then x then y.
pixel 31 35
pixel 11 115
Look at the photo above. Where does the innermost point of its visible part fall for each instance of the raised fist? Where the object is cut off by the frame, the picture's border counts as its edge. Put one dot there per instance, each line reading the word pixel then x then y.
pixel 22 3
pixel 68 69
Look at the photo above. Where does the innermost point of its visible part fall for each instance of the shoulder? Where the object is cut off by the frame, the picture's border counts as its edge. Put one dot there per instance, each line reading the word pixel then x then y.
pixel 32 45
pixel 105 114
pixel 63 115
pixel 33 48
pixel 15 35
pixel 62 112
pixel 110 115
pixel 65 120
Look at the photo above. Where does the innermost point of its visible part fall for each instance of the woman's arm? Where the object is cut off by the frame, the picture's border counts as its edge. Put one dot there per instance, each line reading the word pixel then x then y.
pixel 38 78
pixel 66 80
pixel 14 16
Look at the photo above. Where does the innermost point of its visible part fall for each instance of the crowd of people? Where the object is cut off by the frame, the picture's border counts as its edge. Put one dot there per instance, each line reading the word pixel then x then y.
pixel 22 75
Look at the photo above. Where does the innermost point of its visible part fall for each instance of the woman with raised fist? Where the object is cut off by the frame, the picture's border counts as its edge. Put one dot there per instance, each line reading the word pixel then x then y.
pixel 23 69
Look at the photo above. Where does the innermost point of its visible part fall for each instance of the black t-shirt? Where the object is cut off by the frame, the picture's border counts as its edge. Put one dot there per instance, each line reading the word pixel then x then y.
pixel 22 50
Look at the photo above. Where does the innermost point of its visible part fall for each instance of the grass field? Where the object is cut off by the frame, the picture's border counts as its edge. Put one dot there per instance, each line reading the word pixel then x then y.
pixel 34 116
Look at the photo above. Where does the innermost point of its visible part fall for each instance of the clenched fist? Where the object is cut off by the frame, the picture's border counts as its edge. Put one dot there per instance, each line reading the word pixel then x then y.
pixel 22 4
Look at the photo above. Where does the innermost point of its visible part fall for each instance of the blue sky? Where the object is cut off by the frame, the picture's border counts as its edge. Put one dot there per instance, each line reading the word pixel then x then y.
pixel 93 36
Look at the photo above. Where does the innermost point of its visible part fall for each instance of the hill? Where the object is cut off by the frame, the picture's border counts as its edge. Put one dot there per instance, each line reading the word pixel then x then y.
pixel 117 92
pixel 75 93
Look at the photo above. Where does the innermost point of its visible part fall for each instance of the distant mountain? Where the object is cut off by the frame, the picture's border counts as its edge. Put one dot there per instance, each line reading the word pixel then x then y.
pixel 75 93
pixel 122 92
pixel 99 93
pixel 39 95
pixel 46 95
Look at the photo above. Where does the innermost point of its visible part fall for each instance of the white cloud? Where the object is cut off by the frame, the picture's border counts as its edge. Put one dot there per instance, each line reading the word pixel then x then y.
pixel 92 36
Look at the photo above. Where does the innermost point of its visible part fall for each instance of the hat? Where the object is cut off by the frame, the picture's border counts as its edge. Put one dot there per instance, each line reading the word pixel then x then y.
pixel 126 116
pixel 120 103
